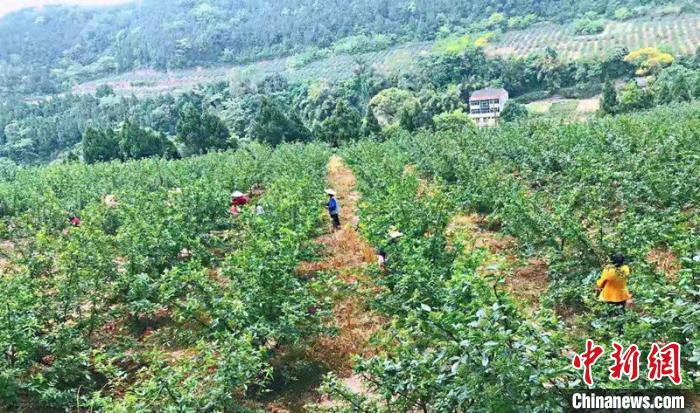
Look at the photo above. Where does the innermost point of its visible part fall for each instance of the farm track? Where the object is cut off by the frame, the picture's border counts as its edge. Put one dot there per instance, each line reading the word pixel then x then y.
pixel 347 256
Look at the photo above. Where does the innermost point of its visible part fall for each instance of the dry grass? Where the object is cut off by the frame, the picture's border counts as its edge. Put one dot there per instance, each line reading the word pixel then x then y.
pixel 348 255
pixel 473 229
pixel 356 323
pixel 7 249
pixel 665 262
pixel 345 250
pixel 589 105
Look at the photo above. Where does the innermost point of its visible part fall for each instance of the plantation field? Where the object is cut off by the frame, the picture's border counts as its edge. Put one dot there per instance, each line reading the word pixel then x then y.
pixel 153 82
pixel 163 301
pixel 563 108
pixel 159 289
pixel 680 33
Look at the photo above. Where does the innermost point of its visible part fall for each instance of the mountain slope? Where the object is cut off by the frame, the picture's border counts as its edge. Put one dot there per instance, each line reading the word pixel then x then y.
pixel 47 49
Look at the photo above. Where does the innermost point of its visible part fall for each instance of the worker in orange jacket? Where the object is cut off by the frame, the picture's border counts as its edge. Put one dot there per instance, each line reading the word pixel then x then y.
pixel 612 283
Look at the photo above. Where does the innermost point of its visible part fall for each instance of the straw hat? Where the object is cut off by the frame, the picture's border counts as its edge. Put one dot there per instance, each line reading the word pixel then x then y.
pixel 236 194
pixel 330 192
pixel 110 201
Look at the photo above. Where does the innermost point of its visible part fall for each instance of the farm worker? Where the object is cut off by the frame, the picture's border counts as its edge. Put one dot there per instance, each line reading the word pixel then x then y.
pixel 238 198
pixel 333 208
pixel 74 220
pixel 613 283
pixel 381 257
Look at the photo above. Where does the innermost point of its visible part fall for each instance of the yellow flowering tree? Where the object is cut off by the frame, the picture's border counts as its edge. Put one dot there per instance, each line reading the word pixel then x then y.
pixel 649 60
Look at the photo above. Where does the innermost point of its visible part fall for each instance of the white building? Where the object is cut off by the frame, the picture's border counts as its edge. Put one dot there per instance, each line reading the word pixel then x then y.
pixel 485 106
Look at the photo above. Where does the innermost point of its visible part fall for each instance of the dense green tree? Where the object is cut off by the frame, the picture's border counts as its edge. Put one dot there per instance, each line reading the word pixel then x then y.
pixel 413 117
pixel 8 169
pixel 675 84
pixel 455 121
pixel 589 25
pixel 72 44
pixel 434 102
pixel 343 125
pixel 370 125
pixel 514 111
pixel 136 142
pixel 608 102
pixel 632 98
pixel 104 90
pixel 275 125
pixel 391 105
pixel 39 130
pixel 100 145
pixel 614 66
pixel 200 132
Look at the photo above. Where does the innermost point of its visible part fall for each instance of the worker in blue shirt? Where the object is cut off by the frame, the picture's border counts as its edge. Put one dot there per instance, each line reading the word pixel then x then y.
pixel 333 208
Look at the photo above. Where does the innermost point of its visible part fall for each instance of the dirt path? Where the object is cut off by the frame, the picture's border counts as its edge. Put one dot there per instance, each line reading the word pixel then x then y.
pixel 347 255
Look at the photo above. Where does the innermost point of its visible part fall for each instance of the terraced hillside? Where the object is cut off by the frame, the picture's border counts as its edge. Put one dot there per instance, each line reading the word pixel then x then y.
pixel 150 82
pixel 679 33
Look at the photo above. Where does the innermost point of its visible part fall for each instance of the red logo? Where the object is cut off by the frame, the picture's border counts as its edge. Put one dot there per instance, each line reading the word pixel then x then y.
pixel 665 362
pixel 662 362
pixel 626 363
pixel 587 359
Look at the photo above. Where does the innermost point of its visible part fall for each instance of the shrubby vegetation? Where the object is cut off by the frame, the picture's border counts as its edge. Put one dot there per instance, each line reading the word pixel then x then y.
pixel 159 298
pixel 452 339
pixel 589 25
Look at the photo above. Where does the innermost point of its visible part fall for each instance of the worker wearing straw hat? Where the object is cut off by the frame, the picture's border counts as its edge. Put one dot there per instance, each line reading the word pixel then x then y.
pixel 394 235
pixel 238 199
pixel 333 208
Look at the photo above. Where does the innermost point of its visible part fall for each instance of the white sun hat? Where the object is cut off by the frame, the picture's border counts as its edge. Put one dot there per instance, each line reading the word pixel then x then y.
pixel 237 194
pixel 110 201
pixel 393 234
pixel 330 192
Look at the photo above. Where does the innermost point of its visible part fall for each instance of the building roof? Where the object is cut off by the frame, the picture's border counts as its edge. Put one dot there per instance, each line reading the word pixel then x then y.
pixel 488 93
